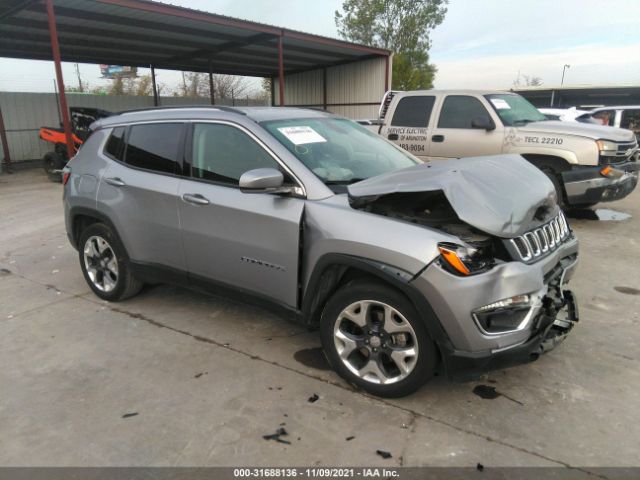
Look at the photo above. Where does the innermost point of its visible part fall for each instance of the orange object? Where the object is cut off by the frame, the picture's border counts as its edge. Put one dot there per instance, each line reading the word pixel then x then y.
pixel 606 171
pixel 54 135
pixel 452 259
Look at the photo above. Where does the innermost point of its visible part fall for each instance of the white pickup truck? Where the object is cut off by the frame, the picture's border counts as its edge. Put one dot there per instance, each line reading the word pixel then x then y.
pixel 586 163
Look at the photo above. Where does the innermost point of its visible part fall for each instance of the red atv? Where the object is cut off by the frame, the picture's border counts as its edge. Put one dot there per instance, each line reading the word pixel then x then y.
pixel 81 120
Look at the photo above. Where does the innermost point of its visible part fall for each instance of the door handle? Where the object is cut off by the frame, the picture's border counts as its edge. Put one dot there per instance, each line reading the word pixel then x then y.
pixel 195 199
pixel 437 138
pixel 115 181
pixel 393 136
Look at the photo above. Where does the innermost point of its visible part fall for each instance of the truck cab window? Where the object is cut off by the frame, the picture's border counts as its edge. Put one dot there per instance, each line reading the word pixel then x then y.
pixel 458 111
pixel 413 111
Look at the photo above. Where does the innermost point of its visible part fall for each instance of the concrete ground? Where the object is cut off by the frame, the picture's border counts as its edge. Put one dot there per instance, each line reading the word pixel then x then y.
pixel 173 377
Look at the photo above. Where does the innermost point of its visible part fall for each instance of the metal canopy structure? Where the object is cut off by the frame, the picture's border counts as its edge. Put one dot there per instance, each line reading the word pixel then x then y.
pixel 145 33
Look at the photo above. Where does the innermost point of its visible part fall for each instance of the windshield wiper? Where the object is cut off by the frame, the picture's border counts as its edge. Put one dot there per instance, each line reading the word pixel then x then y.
pixel 343 182
pixel 524 121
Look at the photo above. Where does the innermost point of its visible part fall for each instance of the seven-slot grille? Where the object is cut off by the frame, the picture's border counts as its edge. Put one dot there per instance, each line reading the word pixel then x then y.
pixel 542 240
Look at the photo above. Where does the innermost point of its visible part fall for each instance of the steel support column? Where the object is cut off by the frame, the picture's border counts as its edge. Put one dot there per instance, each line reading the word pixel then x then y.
pixel 386 74
pixel 211 90
pixel 281 70
pixel 155 86
pixel 55 50
pixel 324 88
pixel 273 91
pixel 5 145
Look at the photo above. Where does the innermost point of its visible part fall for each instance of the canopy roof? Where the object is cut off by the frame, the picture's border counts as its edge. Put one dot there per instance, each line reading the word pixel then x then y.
pixel 142 33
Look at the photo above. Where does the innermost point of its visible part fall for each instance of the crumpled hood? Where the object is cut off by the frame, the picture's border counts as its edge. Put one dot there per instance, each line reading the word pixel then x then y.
pixel 500 195
pixel 589 130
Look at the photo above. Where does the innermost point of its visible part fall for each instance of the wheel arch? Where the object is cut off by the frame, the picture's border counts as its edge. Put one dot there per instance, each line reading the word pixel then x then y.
pixel 557 163
pixel 335 270
pixel 83 217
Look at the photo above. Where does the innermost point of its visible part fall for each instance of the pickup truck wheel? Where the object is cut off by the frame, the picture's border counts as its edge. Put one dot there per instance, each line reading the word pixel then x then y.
pixel 105 264
pixel 555 179
pixel 373 337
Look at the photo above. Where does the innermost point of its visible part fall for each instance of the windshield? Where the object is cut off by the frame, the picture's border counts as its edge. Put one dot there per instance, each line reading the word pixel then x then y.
pixel 514 110
pixel 338 151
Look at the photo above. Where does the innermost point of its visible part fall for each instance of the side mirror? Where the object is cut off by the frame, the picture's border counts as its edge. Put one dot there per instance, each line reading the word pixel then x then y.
pixel 482 122
pixel 263 180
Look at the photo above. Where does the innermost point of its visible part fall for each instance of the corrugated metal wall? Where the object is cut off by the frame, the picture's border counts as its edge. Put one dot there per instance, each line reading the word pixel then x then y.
pixel 360 83
pixel 25 112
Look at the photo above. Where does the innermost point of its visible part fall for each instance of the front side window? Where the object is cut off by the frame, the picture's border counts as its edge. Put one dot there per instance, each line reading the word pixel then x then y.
pixel 413 111
pixel 222 153
pixel 154 147
pixel 338 151
pixel 514 110
pixel 458 111
pixel 114 147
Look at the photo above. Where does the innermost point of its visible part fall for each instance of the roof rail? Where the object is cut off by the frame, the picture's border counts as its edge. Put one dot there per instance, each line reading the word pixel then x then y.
pixel 178 107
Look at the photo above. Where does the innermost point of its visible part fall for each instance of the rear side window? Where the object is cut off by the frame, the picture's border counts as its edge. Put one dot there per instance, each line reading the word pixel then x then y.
pixel 222 153
pixel 631 120
pixel 154 147
pixel 413 111
pixel 115 145
pixel 458 111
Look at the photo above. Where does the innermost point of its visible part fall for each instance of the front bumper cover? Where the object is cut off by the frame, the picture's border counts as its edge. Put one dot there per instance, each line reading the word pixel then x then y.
pixel 552 324
pixel 586 185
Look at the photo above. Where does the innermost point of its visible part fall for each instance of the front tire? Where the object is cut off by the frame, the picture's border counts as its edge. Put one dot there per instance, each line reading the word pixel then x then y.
pixel 374 338
pixel 105 264
pixel 555 179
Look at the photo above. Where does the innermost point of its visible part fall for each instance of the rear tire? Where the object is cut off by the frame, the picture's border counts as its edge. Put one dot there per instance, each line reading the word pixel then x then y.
pixel 52 162
pixel 374 338
pixel 105 264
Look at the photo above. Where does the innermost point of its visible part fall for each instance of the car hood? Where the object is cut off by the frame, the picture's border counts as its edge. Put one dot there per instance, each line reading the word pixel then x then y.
pixel 502 195
pixel 589 130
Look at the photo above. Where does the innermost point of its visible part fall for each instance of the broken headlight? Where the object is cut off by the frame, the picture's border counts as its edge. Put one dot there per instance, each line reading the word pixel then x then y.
pixel 464 260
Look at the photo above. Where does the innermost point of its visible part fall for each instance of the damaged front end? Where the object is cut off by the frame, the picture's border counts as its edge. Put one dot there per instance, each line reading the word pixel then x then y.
pixel 498 290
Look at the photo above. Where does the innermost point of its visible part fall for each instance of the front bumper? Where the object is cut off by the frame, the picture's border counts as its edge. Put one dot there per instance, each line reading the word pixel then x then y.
pixel 586 185
pixel 467 349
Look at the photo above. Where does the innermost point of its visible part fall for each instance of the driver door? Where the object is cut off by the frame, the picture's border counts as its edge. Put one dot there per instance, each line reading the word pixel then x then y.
pixel 454 137
pixel 246 240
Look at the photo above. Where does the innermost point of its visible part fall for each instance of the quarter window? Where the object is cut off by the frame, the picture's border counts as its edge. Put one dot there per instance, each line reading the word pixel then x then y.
pixel 458 111
pixel 115 145
pixel 222 153
pixel 413 111
pixel 154 147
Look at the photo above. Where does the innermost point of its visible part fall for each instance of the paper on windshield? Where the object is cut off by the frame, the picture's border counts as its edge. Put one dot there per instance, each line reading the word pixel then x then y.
pixel 302 135
pixel 500 104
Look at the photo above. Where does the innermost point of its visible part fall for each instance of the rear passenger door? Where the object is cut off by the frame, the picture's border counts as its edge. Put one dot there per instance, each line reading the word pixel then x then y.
pixel 409 128
pixel 246 240
pixel 454 135
pixel 139 191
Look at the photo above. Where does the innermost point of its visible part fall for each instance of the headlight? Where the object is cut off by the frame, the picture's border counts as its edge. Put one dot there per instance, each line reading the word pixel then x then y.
pixel 464 261
pixel 606 147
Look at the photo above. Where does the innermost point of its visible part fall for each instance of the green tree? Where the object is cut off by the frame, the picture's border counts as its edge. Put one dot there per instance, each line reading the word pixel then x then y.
pixel 402 26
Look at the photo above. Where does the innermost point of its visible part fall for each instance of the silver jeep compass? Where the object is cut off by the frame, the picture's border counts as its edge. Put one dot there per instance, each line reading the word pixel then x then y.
pixel 407 268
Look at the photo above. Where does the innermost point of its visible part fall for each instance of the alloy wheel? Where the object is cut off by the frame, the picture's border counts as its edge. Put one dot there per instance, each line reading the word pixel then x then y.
pixel 375 342
pixel 101 263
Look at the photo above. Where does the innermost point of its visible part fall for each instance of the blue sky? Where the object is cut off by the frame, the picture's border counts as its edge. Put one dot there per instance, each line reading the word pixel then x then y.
pixel 481 43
